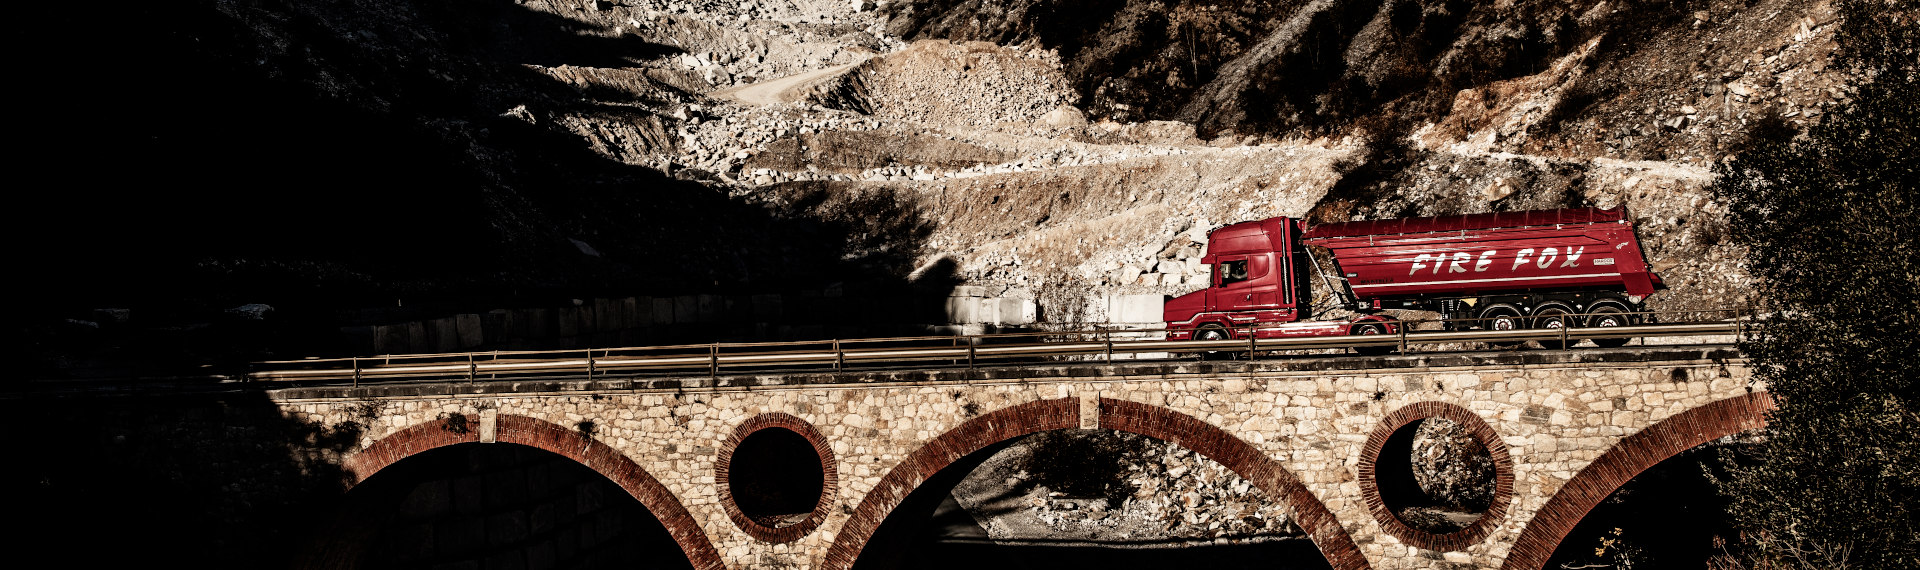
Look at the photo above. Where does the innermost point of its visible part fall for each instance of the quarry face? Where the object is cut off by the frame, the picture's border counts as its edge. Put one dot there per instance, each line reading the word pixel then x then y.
pixel 1024 164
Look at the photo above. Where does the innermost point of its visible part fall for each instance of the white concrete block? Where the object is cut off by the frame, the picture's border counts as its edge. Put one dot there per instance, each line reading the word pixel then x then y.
pixel 1135 308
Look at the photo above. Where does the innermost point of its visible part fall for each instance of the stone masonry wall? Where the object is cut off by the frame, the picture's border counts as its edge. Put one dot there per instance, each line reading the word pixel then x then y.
pixel 1554 415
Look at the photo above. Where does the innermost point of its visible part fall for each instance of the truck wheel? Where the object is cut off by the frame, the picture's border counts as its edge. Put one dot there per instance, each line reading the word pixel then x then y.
pixel 1554 319
pixel 1213 332
pixel 1608 317
pixel 1370 329
pixel 1502 317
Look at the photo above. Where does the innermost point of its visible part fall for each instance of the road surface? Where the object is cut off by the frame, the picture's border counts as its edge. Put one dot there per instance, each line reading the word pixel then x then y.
pixel 782 90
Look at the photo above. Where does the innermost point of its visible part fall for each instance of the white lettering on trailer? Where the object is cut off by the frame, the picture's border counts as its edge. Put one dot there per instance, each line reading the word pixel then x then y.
pixel 1457 262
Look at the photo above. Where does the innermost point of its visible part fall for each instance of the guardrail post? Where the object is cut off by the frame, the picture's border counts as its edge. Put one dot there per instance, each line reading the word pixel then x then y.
pixel 1402 326
pixel 473 369
pixel 1563 335
pixel 1109 335
pixel 356 372
pixel 589 365
pixel 839 356
pixel 1251 343
pixel 713 362
pixel 971 347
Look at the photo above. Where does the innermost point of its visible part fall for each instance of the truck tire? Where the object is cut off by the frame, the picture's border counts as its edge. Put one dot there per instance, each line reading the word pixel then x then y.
pixel 1370 329
pixel 1608 317
pixel 1213 332
pixel 1557 318
pixel 1502 317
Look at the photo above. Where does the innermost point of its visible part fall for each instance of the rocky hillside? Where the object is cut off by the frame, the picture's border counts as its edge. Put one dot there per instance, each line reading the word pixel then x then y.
pixel 322 165
pixel 430 156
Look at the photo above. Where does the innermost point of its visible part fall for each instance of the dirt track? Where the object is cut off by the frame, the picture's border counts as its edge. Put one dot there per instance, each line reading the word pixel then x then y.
pixel 780 90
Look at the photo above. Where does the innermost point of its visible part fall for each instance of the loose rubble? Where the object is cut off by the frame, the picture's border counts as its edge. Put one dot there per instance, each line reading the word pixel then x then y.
pixel 1158 492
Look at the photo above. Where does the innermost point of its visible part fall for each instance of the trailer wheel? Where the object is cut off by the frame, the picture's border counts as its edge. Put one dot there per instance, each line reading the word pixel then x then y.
pixel 1553 318
pixel 1502 317
pixel 1212 332
pixel 1608 317
pixel 1369 329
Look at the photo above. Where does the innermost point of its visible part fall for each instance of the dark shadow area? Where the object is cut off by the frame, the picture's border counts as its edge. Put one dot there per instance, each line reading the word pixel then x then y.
pixel 124 480
pixel 1670 516
pixel 492 506
pixel 1435 478
pixel 930 530
pixel 507 32
pixel 359 163
pixel 775 477
pixel 1135 60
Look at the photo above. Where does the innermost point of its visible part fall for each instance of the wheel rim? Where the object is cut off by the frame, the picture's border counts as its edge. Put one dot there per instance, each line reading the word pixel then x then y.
pixel 1211 334
pixel 1503 323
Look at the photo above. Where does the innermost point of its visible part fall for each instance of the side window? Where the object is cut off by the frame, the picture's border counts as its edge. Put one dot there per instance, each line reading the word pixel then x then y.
pixel 1232 271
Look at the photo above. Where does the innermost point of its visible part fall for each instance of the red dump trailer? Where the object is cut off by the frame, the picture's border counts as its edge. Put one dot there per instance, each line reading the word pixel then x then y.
pixel 1579 267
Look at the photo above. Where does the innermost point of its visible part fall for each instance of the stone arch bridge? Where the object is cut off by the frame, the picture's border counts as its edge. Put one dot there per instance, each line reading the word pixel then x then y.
pixel 1565 428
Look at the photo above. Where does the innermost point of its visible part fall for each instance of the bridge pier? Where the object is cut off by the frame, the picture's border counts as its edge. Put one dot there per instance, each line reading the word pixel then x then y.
pixel 1574 425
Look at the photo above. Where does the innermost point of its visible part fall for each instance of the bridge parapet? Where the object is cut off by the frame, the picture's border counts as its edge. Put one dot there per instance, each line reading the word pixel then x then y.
pixel 1299 428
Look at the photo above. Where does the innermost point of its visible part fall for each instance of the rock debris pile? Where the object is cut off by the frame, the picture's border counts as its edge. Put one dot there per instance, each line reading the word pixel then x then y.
pixel 973 84
pixel 1119 487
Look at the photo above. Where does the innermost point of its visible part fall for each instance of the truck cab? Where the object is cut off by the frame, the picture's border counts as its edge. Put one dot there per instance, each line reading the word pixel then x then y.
pixel 1259 286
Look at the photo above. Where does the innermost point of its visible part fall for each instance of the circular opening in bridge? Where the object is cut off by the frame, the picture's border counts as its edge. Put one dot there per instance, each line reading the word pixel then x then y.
pixel 1435 476
pixel 1438 476
pixel 777 476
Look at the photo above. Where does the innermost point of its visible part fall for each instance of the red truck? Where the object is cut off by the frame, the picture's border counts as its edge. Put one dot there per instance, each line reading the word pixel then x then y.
pixel 1579 267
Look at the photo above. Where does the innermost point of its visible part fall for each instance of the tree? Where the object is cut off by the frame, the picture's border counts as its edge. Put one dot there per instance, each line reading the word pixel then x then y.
pixel 1833 238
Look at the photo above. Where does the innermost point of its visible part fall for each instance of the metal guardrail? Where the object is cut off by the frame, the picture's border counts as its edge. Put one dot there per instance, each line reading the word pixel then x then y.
pixel 969 351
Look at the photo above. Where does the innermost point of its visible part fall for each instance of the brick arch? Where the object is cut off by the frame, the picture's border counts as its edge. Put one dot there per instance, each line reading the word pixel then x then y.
pixel 1625 460
pixel 559 440
pixel 1064 413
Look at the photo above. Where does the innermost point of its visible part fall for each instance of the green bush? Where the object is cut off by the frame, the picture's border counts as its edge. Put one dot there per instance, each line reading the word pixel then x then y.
pixel 1833 238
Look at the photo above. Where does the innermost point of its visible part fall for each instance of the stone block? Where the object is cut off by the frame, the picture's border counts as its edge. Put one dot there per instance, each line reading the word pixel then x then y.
pixel 568 321
pixel 1135 308
pixel 1015 311
pixel 686 309
pixel 587 319
pixel 662 312
pixel 636 312
pixel 469 330
pixel 767 307
pixel 970 291
pixel 539 322
pixel 607 315
pixel 361 339
pixel 971 310
pixel 416 336
pixel 445 335
pixel 710 307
